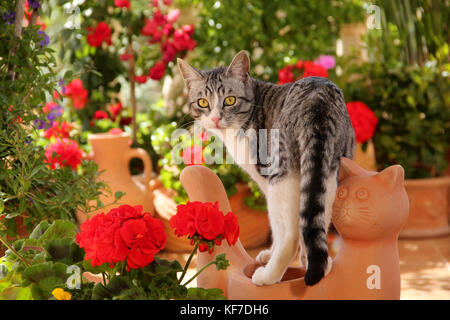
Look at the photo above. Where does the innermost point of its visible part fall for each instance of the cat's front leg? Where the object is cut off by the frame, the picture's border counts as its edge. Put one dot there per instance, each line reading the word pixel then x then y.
pixel 283 200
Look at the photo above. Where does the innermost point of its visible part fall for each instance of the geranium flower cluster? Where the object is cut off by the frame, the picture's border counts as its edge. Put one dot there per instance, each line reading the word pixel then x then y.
pixel 204 223
pixel 123 234
pixel 303 69
pixel 77 93
pixel 363 119
pixel 160 29
pixel 63 153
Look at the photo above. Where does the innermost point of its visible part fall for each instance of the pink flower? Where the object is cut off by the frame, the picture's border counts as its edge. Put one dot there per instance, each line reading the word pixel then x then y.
pixel 327 62
pixel 173 15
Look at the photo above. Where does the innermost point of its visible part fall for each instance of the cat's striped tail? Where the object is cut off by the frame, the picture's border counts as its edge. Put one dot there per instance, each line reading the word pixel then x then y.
pixel 315 169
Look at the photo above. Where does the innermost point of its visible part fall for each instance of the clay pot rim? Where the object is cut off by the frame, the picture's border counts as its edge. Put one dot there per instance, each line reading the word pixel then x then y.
pixel 431 182
pixel 107 135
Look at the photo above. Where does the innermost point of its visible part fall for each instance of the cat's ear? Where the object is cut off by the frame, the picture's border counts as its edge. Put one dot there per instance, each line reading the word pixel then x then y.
pixel 240 66
pixel 188 72
pixel 392 177
pixel 350 168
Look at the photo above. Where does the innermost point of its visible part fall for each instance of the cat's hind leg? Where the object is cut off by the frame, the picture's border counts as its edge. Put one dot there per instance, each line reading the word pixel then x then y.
pixel 283 199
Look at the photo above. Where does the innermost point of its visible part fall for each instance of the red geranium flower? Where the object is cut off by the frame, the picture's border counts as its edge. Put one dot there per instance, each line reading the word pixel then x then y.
pixel 101 33
pixel 76 92
pixel 68 153
pixel 123 234
pixel 115 109
pixel 205 223
pixel 193 155
pixel 157 71
pixel 58 130
pixel 314 70
pixel 122 3
pixel 363 119
pixel 100 114
pixel 140 79
pixel 285 75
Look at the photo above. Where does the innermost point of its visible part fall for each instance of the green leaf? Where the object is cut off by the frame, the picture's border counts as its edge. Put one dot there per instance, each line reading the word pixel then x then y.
pixel 59 229
pixel 162 267
pixel 114 288
pixel 205 294
pixel 39 230
pixel 45 277
pixel 97 269
pixel 64 250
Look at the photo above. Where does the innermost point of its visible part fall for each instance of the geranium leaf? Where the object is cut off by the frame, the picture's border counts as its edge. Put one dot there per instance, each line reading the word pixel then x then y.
pixel 39 230
pixel 205 294
pixel 59 229
pixel 114 288
pixel 162 267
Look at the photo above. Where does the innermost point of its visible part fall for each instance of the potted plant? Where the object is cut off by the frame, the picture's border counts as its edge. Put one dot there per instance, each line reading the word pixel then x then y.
pixel 43 174
pixel 56 262
pixel 408 91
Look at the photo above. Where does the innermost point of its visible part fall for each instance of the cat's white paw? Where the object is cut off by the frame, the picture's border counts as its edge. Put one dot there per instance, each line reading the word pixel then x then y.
pixel 261 277
pixel 264 256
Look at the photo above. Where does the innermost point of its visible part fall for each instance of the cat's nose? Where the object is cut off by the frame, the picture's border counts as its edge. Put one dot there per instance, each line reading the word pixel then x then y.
pixel 216 120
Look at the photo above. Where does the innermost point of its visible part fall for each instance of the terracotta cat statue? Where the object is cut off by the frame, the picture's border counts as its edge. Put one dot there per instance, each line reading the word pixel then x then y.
pixel 369 211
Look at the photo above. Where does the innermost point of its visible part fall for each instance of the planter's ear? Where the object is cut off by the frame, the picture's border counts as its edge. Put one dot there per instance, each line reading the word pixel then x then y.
pixel 392 177
pixel 349 168
pixel 240 66
pixel 188 72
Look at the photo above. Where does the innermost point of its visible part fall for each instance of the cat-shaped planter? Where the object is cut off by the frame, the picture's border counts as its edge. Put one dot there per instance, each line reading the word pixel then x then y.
pixel 369 211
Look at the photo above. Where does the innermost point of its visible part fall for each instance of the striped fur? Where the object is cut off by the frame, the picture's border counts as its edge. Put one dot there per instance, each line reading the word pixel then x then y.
pixel 314 131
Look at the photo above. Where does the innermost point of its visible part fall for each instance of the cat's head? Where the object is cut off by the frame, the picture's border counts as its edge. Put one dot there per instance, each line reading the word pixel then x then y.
pixel 370 205
pixel 222 97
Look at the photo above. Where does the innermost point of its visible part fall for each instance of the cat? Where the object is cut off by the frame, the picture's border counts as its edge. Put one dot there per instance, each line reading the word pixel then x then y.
pixel 299 173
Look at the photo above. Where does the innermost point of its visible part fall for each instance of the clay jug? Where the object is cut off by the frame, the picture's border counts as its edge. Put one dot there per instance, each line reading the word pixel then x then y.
pixel 112 153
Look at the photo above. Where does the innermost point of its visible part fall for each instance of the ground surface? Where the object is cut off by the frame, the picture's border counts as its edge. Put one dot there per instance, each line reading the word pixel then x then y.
pixel 424 266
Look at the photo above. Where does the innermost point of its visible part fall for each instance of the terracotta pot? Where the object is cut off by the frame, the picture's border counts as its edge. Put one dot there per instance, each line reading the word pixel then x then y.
pixel 366 159
pixel 429 201
pixel 254 225
pixel 365 246
pixel 112 153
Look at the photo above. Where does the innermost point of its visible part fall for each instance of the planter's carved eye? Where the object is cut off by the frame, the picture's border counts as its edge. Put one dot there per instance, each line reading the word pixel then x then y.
pixel 362 194
pixel 342 193
pixel 203 103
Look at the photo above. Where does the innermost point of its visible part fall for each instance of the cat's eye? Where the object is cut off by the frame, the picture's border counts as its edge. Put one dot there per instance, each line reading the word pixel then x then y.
pixel 203 103
pixel 342 193
pixel 362 194
pixel 229 101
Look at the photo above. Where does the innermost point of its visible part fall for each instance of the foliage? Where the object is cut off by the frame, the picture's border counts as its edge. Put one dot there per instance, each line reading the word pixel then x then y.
pixel 273 32
pixel 421 26
pixel 32 268
pixel 28 187
pixel 406 85
pixel 411 103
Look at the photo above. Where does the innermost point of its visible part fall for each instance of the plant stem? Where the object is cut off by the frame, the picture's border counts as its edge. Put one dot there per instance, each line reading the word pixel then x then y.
pixel 6 244
pixel 131 75
pixel 104 280
pixel 188 262
pixel 200 271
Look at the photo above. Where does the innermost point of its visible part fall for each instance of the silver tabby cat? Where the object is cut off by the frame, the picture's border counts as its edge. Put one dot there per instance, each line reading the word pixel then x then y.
pixel 313 132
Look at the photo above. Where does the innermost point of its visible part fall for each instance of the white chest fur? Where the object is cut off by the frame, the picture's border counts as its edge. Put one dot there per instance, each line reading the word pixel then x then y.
pixel 241 153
